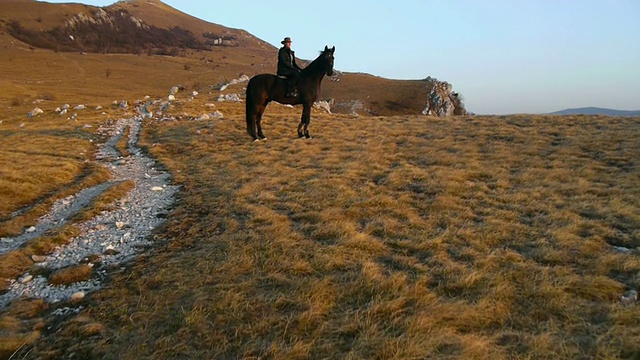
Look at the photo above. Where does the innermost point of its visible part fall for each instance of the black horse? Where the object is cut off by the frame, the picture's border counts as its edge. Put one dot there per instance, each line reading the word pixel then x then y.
pixel 265 88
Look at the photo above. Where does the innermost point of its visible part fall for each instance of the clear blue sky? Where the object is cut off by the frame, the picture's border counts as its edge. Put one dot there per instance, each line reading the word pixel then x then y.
pixel 503 56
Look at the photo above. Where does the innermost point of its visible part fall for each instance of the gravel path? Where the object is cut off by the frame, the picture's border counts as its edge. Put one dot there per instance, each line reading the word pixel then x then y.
pixel 111 237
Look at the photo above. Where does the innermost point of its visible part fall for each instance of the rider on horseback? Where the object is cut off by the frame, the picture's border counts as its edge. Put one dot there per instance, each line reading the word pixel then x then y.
pixel 287 66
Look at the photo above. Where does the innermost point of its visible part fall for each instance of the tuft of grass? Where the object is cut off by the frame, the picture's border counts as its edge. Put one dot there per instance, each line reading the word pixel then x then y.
pixel 12 343
pixel 122 146
pixel 71 275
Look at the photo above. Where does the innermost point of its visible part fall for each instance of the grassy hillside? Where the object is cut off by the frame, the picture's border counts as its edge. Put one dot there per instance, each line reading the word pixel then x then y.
pixel 200 68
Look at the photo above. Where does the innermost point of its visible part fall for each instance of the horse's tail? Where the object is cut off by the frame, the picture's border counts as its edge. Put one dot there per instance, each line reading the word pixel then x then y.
pixel 250 109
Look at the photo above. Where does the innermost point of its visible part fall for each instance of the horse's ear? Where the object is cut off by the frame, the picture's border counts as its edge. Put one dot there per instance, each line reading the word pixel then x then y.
pixel 333 49
pixel 326 48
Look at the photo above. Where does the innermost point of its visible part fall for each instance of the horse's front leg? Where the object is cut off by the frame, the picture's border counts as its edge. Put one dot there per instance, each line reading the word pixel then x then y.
pixel 304 122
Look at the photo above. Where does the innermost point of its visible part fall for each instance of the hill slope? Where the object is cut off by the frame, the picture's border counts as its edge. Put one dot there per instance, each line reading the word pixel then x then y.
pixel 210 53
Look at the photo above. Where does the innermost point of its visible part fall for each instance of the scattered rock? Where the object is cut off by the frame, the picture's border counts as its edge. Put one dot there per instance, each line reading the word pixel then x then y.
pixel 630 297
pixel 622 250
pixel 145 112
pixel 229 97
pixel 25 278
pixel 157 188
pixel 35 112
pixel 324 105
pixel 77 296
pixel 111 252
pixel 31 229
pixel 38 258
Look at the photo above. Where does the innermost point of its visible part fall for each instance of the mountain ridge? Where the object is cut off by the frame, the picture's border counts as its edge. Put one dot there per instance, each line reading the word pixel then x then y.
pixel 592 110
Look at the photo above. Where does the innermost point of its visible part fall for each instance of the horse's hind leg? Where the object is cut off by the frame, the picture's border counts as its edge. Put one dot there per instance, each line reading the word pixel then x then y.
pixel 259 120
pixel 251 122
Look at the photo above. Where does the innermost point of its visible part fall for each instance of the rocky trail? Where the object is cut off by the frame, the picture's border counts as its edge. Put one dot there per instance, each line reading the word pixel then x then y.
pixel 111 237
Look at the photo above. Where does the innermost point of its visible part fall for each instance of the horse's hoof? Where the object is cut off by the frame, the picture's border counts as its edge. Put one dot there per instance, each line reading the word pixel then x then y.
pixel 263 139
pixel 256 140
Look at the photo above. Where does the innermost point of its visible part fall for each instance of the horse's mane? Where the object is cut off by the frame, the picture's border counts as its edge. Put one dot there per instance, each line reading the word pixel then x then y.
pixel 315 64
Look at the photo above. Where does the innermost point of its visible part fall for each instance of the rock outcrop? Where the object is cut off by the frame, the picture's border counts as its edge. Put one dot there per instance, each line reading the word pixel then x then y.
pixel 442 100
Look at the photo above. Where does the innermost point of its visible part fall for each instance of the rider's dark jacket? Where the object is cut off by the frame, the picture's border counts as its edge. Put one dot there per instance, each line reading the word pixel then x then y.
pixel 287 62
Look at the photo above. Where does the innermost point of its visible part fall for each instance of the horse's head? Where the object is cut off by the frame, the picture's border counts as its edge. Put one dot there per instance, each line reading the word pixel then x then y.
pixel 327 54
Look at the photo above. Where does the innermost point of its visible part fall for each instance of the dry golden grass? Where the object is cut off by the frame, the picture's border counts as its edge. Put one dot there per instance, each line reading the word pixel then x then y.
pixel 21 328
pixel 389 237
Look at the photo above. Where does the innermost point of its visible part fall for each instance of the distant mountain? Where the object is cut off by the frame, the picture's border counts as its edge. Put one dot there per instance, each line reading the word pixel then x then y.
pixel 597 111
